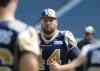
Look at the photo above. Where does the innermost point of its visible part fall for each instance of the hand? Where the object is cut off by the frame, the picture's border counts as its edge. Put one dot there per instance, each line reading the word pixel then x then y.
pixel 54 66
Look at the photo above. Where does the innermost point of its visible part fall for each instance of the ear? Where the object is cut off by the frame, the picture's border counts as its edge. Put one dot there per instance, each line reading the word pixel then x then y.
pixel 56 22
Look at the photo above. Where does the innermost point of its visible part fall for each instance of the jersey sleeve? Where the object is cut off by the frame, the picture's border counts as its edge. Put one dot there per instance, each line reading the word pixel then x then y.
pixel 28 41
pixel 73 50
pixel 70 39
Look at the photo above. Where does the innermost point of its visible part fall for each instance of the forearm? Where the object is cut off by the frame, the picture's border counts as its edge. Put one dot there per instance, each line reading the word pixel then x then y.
pixel 71 66
pixel 67 67
pixel 28 62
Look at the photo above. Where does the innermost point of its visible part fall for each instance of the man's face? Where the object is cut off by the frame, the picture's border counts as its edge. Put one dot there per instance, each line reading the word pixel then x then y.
pixel 88 36
pixel 49 24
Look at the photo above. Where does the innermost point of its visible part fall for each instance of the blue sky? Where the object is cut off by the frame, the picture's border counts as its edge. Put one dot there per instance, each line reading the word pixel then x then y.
pixel 83 14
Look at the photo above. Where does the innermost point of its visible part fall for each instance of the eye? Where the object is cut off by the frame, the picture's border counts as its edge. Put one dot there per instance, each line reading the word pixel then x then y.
pixel 48 19
pixel 51 20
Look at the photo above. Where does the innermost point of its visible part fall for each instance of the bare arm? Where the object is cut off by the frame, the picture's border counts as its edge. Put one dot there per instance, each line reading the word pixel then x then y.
pixel 76 63
pixel 28 62
pixel 28 42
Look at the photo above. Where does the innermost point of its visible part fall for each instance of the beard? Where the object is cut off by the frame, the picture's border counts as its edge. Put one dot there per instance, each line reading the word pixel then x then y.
pixel 48 30
pixel 49 34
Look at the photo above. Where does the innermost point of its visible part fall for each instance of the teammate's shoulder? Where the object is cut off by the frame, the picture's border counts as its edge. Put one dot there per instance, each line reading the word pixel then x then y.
pixel 18 25
pixel 26 40
pixel 31 29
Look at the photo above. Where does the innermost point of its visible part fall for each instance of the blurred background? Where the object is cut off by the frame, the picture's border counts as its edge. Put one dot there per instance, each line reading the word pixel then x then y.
pixel 73 15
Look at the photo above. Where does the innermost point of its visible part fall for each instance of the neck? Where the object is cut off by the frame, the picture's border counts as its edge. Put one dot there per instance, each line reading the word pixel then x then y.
pixel 49 36
pixel 5 14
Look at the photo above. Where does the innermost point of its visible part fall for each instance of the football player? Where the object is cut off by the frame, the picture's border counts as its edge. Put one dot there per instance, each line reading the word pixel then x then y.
pixel 16 48
pixel 55 44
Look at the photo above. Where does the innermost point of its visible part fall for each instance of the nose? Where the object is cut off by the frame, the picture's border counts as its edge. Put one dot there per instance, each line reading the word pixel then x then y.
pixel 47 23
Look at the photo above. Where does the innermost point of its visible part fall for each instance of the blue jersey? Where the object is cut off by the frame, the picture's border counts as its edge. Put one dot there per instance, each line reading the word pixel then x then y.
pixel 56 49
pixel 93 58
pixel 8 49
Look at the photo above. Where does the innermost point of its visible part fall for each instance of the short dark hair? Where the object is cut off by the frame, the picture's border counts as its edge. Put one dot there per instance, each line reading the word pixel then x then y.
pixel 4 3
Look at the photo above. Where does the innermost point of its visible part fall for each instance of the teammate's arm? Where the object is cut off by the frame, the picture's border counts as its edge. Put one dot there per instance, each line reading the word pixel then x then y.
pixel 28 62
pixel 29 47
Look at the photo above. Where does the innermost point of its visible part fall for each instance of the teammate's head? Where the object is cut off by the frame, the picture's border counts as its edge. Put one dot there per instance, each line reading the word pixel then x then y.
pixel 8 5
pixel 89 32
pixel 49 21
